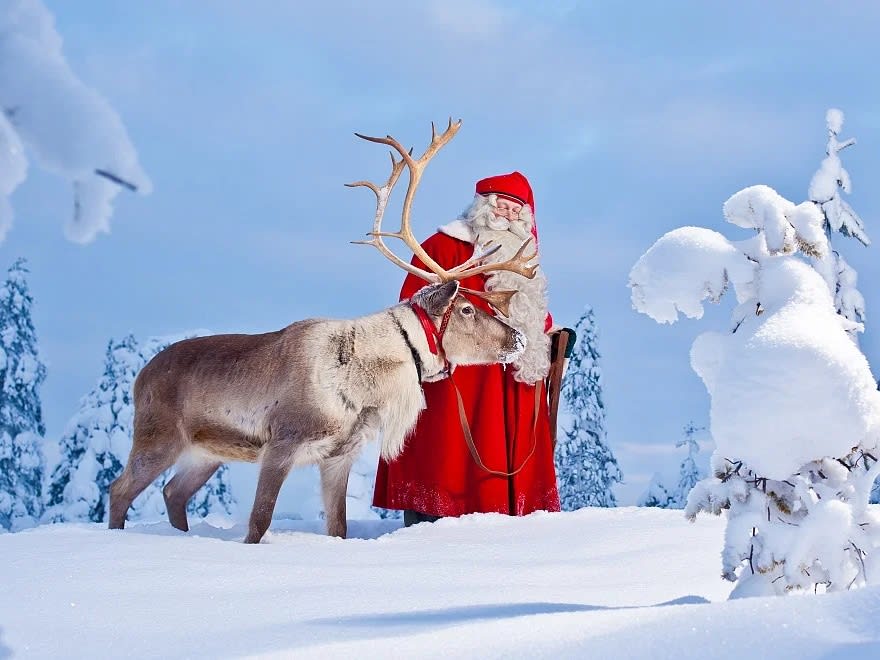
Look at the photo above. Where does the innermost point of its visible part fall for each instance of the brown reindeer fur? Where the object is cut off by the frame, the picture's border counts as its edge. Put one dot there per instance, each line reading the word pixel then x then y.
pixel 312 392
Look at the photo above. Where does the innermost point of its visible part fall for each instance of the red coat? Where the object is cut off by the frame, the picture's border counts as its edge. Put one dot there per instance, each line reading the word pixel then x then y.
pixel 436 473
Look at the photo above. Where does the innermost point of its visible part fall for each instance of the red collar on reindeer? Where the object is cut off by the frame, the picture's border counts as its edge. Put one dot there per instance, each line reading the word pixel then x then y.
pixel 432 334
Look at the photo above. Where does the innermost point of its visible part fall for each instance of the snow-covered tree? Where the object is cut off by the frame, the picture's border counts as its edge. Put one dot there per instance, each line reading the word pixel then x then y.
pixel 585 466
pixel 97 441
pixel 656 494
pixel 48 114
pixel 689 473
pixel 794 407
pixel 21 416
pixel 826 188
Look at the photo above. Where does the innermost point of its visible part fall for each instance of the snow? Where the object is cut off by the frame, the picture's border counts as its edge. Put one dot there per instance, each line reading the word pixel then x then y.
pixel 683 268
pixel 656 494
pixel 795 412
pixel 830 179
pixel 13 171
pixel 822 403
pixel 785 226
pixel 86 143
pixel 600 583
pixel 787 386
pixel 834 117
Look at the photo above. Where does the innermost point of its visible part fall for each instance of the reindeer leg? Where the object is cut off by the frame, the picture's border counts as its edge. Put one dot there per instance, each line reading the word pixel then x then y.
pixel 146 462
pixel 276 465
pixel 177 492
pixel 334 484
pixel 336 468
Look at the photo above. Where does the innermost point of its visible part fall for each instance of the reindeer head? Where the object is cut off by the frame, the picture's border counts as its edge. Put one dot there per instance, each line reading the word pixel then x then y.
pixel 467 334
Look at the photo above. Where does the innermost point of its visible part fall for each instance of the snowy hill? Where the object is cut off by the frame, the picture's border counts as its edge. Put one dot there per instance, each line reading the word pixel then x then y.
pixel 595 583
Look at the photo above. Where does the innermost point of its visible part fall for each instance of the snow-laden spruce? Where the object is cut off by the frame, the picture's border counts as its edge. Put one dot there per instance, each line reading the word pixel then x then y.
pixel 657 494
pixel 826 187
pixel 97 441
pixel 48 114
pixel 795 413
pixel 689 472
pixel 22 372
pixel 586 469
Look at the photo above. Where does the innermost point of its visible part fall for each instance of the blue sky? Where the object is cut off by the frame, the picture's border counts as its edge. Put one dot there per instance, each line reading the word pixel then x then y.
pixel 630 119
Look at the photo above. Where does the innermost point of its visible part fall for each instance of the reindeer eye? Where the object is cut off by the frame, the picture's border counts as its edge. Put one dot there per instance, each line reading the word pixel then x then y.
pixel 467 310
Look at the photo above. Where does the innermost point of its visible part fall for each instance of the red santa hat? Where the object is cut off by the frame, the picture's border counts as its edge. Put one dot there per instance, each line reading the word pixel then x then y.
pixel 515 187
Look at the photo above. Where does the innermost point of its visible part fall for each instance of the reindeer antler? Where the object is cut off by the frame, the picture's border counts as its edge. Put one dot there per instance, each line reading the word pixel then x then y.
pixel 518 263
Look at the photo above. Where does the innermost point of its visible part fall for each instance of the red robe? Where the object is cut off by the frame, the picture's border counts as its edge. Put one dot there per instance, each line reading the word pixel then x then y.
pixel 436 473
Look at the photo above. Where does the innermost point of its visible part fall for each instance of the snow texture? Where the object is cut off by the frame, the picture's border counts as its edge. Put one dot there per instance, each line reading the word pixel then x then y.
pixel 594 583
pixel 86 143
pixel 830 179
pixel 789 386
pixel 684 268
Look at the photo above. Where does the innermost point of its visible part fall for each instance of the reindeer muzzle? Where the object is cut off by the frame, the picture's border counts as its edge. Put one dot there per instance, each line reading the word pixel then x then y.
pixel 515 347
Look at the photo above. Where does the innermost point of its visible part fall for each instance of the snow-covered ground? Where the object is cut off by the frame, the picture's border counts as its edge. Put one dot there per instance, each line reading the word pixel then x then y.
pixel 596 583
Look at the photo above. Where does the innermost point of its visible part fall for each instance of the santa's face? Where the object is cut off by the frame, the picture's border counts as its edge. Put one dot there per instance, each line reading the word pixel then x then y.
pixel 506 211
pixel 499 214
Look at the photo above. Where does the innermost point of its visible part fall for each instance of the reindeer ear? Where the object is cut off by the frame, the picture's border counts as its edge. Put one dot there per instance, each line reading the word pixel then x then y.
pixel 439 297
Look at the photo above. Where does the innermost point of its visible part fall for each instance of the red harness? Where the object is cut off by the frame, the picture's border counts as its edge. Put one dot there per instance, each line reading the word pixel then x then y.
pixel 432 334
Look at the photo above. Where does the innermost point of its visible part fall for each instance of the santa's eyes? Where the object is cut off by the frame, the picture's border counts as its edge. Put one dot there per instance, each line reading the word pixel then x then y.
pixel 509 210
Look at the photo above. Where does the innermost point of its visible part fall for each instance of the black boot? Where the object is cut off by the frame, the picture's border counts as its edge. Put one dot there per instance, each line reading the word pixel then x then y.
pixel 411 517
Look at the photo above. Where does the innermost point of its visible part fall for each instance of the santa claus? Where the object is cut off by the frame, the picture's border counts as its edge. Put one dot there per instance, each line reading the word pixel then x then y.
pixel 503 405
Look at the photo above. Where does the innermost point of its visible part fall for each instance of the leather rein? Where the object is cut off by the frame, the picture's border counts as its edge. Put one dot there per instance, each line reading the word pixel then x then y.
pixel 435 345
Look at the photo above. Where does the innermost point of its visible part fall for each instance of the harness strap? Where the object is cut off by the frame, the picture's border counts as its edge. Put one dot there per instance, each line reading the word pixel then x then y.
pixel 469 438
pixel 435 344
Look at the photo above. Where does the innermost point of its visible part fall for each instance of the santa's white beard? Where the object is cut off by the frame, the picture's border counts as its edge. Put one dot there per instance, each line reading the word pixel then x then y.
pixel 528 308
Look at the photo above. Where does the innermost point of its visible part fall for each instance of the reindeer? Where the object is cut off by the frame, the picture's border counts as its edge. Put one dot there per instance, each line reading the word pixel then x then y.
pixel 315 391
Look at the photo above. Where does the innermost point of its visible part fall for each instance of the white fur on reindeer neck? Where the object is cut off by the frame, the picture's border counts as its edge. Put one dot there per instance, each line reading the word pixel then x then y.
pixel 528 310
